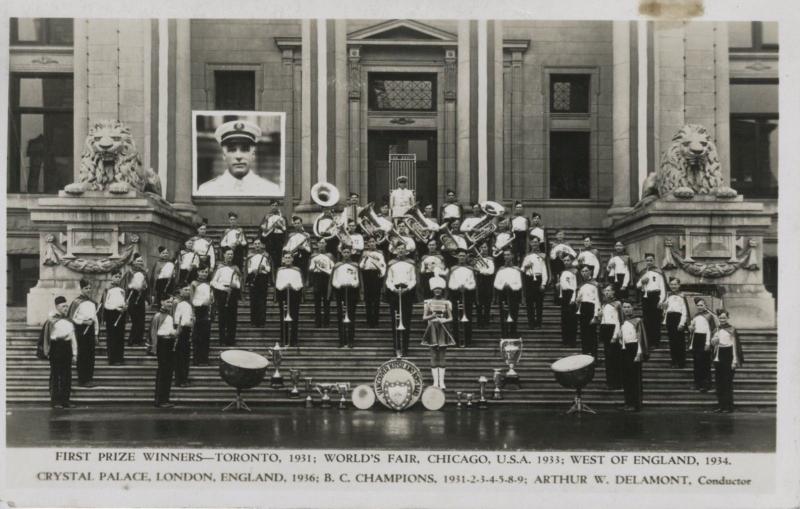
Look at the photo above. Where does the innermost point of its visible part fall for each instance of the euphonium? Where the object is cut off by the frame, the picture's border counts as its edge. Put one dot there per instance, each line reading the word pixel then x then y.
pixel 414 219
pixel 447 240
pixel 497 250
pixel 372 224
pixel 485 226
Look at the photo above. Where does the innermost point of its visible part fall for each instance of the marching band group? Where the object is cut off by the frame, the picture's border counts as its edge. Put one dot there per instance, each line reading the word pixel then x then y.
pixel 458 264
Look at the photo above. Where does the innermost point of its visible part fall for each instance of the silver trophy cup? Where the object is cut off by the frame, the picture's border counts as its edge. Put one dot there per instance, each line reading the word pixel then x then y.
pixel 294 374
pixel 276 381
pixel 511 350
pixel 482 404
pixel 497 378
pixel 309 399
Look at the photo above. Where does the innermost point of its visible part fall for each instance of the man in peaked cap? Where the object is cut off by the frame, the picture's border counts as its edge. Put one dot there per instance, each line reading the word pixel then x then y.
pixel 238 141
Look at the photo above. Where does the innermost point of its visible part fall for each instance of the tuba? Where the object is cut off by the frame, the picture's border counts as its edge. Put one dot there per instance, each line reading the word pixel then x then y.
pixel 373 225
pixel 485 227
pixel 417 225
pixel 447 240
pixel 326 195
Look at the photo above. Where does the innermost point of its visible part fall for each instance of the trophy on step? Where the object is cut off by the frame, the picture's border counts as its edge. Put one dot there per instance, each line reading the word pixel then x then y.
pixel 511 350
pixel 294 375
pixel 324 389
pixel 482 403
pixel 309 399
pixel 343 388
pixel 497 378
pixel 276 381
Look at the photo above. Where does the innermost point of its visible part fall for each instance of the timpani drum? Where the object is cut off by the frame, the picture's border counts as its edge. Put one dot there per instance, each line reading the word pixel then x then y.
pixel 574 372
pixel 433 398
pixel 241 370
pixel 363 397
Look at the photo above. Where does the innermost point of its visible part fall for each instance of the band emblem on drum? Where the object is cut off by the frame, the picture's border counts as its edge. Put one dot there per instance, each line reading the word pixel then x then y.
pixel 398 384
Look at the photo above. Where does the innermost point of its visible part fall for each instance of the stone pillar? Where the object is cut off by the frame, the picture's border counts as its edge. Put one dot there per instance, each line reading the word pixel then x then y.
pixel 449 174
pixel 308 156
pixel 343 175
pixel 622 71
pixel 722 105
pixel 354 117
pixel 183 119
pixel 322 101
pixel 80 112
pixel 483 111
pixel 461 183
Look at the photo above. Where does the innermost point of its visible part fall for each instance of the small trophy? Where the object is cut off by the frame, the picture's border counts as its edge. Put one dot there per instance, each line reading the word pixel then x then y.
pixel 343 389
pixel 497 378
pixel 469 400
pixel 294 374
pixel 511 350
pixel 482 400
pixel 458 399
pixel 325 390
pixel 309 399
pixel 276 381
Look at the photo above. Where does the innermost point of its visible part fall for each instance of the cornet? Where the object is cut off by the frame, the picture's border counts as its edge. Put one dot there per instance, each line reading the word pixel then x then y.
pixel 346 318
pixel 400 290
pixel 288 316
pixel 463 306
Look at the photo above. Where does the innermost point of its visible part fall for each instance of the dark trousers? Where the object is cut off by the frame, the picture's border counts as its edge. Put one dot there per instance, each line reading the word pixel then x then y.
pixel 322 305
pixel 166 365
pixel 201 334
pixel 60 372
pixel 520 243
pixel 372 296
pixel 401 337
pixel 569 320
pixel 136 310
pixel 483 300
pixel 164 288
pixel 274 246
pixel 462 331
pixel 724 378
pixel 186 276
pixel 557 267
pixel 239 253
pixel 677 339
pixel 534 297
pixel 227 315
pixel 620 293
pixel 183 352
pixel 509 306
pixel 701 362
pixel 301 261
pixel 588 329
pixel 631 376
pixel 425 284
pixel 84 334
pixel 346 298
pixel 115 336
pixel 651 316
pixel 612 354
pixel 258 300
pixel 289 329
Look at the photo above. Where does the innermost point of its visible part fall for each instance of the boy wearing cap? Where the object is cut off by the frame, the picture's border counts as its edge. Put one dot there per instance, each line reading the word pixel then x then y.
pixel 451 210
pixel 401 283
pixel 187 262
pixel 557 254
pixel 536 230
pixel 162 337
pixel 83 313
pixel 508 288
pixel 319 275
pixel 183 317
pixel 114 305
pixel 238 141
pixel 234 239
pixel 461 284
pixel 259 277
pixel 162 276
pixel 135 284
pixel 289 293
pixel 373 268
pixel 203 247
pixel 634 352
pixel 61 347
pixel 202 304
pixel 227 285
pixel 620 271
pixel 534 267
pixel 519 226
pixel 401 199
pixel 566 291
pixel 273 233
pixel 654 293
pixel 346 287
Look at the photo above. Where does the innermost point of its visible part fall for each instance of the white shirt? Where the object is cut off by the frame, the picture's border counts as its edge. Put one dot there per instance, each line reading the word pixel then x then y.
pixel 725 338
pixel 356 242
pixel 167 327
pixel 400 200
pixel 677 304
pixel 188 260
pixel 249 185
pixel 202 294
pixel 501 240
pixel 401 272
pixel 166 271
pixel 701 326
pixel 461 242
pixel 451 211
pixel 567 281
pixel 469 223
pixel 508 277
pixel 288 276
pixel 321 262
pixel 536 232
pixel 653 281
pixel 373 260
pixel 137 281
pixel 533 265
pixel 225 278
pixel 587 257
pixel 63 329
pixel 609 316
pixel 184 314
pixel 203 247
pixel 346 274
pixel 85 312
pixel 588 293
pixel 233 237
pixel 274 222
pixel 347 213
pixel 258 263
pixel 297 241
pixel 461 278
pixel 616 265
pixel 629 334
pixel 324 223
pixel 519 224
pixel 115 299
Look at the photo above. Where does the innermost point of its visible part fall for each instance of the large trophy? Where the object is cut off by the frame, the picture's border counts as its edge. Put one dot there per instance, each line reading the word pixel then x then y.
pixel 511 350
pixel 276 381
pixel 324 390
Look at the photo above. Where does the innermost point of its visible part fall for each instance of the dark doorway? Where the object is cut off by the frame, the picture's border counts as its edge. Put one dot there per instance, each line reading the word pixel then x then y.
pixel 421 143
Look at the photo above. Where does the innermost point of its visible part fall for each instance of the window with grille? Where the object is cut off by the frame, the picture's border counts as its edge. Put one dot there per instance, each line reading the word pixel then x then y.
pixel 402 92
pixel 42 31
pixel 569 93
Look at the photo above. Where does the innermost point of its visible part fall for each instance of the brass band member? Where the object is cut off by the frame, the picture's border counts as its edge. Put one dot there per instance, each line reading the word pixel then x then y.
pixel 508 287
pixel 407 240
pixel 702 329
pixel 183 317
pixel 401 281
pixel 259 277
pixel 187 262
pixel 61 347
pixel 227 285
pixel 537 230
pixel 162 337
pixel 202 304
pixel 385 223
pixel 319 274
pixel 346 286
pixel 430 265
pixel 634 353
pixel 469 223
pixel 135 284
pixel 233 238
pixel 503 239
pixel 83 313
pixel 556 258
pixel 727 357
pixel 588 302
pixel 326 223
pixel 567 290
pixel 611 319
pixel 654 293
pixel 620 271
pixel 115 305
pixel 461 283
pixel 288 293
pixel 162 276
pixel 459 241
pixel 351 209
pixel 204 248
pixel 272 232
pixel 298 244
pixel 520 225
pixel 356 243
pixel 431 222
pixel 589 257
pixel 484 279
pixel 373 269
pixel 438 312
pixel 676 319
pixel 534 267
pixel 451 210
pixel 401 199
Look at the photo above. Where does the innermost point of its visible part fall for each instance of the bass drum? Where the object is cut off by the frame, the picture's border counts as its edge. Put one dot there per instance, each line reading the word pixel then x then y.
pixel 242 369
pixel 433 398
pixel 363 397
pixel 574 371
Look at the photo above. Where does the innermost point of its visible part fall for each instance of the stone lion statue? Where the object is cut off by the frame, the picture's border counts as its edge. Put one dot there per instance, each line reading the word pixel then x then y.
pixel 111 162
pixel 689 167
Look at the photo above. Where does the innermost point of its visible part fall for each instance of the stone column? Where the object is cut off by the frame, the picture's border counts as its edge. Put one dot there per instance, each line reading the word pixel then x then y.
pixel 461 182
pixel 80 115
pixel 722 104
pixel 448 177
pixel 483 110
pixel 341 156
pixel 308 157
pixel 622 66
pixel 354 116
pixel 183 119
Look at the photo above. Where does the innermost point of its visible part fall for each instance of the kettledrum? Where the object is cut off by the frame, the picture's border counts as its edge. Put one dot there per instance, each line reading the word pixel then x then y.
pixel 575 372
pixel 241 370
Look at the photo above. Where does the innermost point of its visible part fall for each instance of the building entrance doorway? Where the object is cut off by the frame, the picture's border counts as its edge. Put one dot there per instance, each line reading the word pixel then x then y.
pixel 419 144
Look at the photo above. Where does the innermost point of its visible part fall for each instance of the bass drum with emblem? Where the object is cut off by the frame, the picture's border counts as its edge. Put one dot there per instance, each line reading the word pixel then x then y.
pixel 363 397
pixel 398 384
pixel 433 398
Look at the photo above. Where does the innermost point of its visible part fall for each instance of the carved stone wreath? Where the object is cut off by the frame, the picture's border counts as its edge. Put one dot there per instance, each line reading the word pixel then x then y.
pixel 674 259
pixel 54 255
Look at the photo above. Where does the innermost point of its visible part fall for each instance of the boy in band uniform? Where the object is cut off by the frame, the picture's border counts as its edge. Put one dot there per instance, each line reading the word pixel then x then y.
pixel 135 285
pixel 588 302
pixel 183 318
pixel 373 269
pixel 502 241
pixel 202 298
pixel 401 199
pixel 289 293
pixel 273 234
pixel 702 329
pixel 534 268
pixel 319 276
pixel 451 210
pixel 408 241
pixel 654 293
pixel 461 285
pixel 727 357
pixel 83 313
pixel 620 271
pixel 634 352
pixel 162 276
pixel 61 347
pixel 346 287
pixel 234 239
pixel 520 226
pixel 484 280
pixel 557 253
pixel 508 289
pixel 468 223
pixel 431 264
pixel 356 240
pixel 676 319
pixel 589 257
pixel 351 209
pixel 114 305
pixel 162 337
pixel 298 243
pixel 187 262
pixel 611 318
pixel 259 276
pixel 536 230
pixel 567 291
pixel 204 248
pixel 401 283
pixel 227 285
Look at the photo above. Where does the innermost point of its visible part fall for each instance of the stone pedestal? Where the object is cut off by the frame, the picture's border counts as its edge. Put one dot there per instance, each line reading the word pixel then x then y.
pixel 706 241
pixel 91 235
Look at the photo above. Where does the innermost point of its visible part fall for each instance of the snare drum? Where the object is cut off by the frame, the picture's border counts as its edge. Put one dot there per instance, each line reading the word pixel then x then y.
pixel 363 397
pixel 433 398
pixel 574 371
pixel 242 369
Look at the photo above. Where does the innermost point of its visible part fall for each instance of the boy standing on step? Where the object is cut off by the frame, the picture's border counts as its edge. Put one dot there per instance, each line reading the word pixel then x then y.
pixel 61 348
pixel 83 313
pixel 634 353
pixel 202 299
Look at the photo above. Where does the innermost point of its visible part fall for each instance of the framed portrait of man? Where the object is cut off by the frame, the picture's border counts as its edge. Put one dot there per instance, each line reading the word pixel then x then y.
pixel 238 153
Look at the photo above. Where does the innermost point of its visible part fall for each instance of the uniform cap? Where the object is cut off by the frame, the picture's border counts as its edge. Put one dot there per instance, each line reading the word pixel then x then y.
pixel 436 282
pixel 402 178
pixel 237 130
pixel 60 300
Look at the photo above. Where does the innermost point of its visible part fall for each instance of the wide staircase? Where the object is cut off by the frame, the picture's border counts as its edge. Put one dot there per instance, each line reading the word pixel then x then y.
pixel 320 358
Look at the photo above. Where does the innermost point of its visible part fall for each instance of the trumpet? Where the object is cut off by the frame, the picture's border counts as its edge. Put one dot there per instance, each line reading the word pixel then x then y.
pixel 463 306
pixel 346 318
pixel 288 316
pixel 400 290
